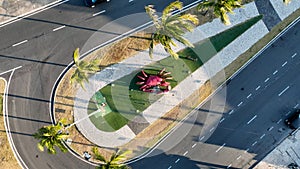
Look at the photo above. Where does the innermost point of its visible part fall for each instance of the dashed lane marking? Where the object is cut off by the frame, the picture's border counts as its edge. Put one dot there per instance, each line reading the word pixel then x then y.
pixel 194 145
pixel 185 153
pixel 220 147
pixel 239 157
pixel 275 72
pixel 296 105
pixel 98 13
pixel 231 111
pixel 253 144
pixel 257 87
pixel 211 129
pixel 271 128
pixel 251 119
pixel 284 64
pixel 61 27
pixel 19 43
pixel 279 121
pixel 222 120
pixel 284 90
pixel 177 160
pixel 240 104
pixel 294 55
pixel 262 136
pixel 229 165
pixel 170 167
pixel 249 96
pixel 267 79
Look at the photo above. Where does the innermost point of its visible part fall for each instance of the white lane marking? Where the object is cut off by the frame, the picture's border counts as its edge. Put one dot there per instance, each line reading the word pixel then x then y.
pixel 201 138
pixel 279 121
pixel 194 145
pixel 98 13
pixel 25 15
pixel 61 27
pixel 222 120
pixel 262 136
pixel 229 166
pixel 130 1
pixel 287 113
pixel 177 160
pixel 283 90
pixel 13 69
pixel 294 55
pixel 170 167
pixel 284 64
pixel 185 153
pixel 246 151
pixel 254 143
pixel 251 119
pixel 240 104
pixel 257 87
pixel 220 147
pixel 249 96
pixel 239 157
pixel 19 43
pixel 296 105
pixel 231 111
pixel 271 128
pixel 267 79
pixel 211 129
pixel 275 72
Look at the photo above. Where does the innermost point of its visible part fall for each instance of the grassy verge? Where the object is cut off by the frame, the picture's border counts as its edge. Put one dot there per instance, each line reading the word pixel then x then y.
pixel 7 158
pixel 125 98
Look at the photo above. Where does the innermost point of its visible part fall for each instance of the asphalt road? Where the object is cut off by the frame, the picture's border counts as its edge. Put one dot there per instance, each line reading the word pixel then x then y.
pixel 248 126
pixel 43 45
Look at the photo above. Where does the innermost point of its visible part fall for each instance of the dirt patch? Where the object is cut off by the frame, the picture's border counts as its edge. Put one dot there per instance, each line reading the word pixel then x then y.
pixel 7 158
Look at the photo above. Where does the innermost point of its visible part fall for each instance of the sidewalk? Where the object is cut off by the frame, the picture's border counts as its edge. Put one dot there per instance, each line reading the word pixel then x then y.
pixel 181 91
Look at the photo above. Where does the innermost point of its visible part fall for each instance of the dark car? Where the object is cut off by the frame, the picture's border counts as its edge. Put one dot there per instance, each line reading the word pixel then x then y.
pixel 293 121
pixel 92 3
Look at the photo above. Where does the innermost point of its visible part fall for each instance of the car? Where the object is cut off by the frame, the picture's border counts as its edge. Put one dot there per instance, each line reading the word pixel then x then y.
pixel 293 121
pixel 92 3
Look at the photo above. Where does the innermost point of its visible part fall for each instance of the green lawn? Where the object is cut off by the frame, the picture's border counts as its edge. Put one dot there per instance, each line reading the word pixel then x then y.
pixel 123 96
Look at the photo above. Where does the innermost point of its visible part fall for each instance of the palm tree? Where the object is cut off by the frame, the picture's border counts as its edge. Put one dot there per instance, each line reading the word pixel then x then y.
pixel 51 136
pixel 83 68
pixel 221 8
pixel 286 1
pixel 114 162
pixel 170 26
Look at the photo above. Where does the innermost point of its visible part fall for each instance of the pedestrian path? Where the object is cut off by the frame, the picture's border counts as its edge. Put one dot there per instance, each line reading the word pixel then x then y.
pixel 181 91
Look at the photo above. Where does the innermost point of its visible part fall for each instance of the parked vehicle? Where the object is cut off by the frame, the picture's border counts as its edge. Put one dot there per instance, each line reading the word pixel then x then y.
pixel 293 121
pixel 92 3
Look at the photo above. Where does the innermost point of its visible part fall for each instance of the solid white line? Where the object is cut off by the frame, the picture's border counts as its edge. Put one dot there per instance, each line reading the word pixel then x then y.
pixel 257 87
pixel 231 111
pixel 271 128
pixel 201 138
pixel 185 153
pixel 170 167
pixel 251 119
pixel 229 166
pixel 284 64
pixel 275 72
pixel 294 55
pixel 254 143
pixel 61 27
pixel 11 70
pixel 283 90
pixel 194 145
pixel 238 157
pixel 287 113
pixel 262 136
pixel 177 160
pixel 296 105
pixel 249 96
pixel 220 147
pixel 211 129
pixel 279 121
pixel 222 120
pixel 25 15
pixel 240 104
pixel 19 43
pixel 95 14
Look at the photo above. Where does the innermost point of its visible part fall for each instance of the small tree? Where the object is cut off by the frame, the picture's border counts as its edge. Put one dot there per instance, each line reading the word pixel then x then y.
pixel 170 26
pixel 51 136
pixel 115 161
pixel 83 68
pixel 221 8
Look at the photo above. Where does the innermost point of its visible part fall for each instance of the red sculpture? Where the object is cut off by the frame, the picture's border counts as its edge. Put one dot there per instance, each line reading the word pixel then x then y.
pixel 150 82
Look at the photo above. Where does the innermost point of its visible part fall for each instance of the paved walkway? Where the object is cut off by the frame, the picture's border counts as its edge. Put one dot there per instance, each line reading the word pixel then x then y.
pixel 181 91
